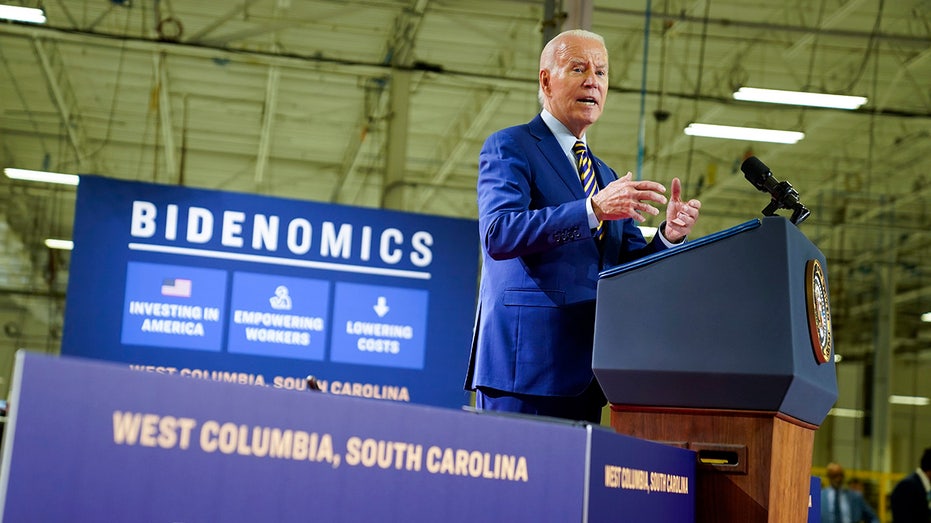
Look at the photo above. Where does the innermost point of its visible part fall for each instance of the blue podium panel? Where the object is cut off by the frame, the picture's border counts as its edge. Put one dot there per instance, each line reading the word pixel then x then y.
pixel 637 480
pixel 110 444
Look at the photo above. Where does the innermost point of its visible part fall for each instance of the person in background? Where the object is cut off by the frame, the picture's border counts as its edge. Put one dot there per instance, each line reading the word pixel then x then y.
pixel 843 505
pixel 856 484
pixel 911 497
pixel 552 215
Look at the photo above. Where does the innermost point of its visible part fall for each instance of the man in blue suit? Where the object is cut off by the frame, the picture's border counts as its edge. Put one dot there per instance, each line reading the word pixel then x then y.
pixel 842 505
pixel 545 239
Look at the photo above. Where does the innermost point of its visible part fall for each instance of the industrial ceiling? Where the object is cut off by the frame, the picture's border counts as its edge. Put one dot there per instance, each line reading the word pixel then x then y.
pixel 385 103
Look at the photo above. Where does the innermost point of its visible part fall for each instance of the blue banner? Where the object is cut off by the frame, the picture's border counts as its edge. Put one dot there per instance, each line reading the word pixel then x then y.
pixel 266 291
pixel 814 500
pixel 93 441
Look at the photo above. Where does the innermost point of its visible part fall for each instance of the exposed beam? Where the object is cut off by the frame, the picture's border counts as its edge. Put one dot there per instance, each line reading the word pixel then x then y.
pixel 63 94
pixel 367 133
pixel 920 41
pixel 906 68
pixel 268 119
pixel 209 28
pixel 398 54
pixel 271 27
pixel 471 123
pixel 165 117
pixel 207 52
pixel 828 24
pixel 468 126
pixel 396 140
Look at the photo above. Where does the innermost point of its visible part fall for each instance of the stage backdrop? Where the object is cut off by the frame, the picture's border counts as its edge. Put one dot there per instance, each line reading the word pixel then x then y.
pixel 266 291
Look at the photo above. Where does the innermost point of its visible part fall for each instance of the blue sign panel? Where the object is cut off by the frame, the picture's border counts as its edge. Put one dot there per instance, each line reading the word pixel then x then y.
pixel 109 444
pixel 279 316
pixel 267 291
pixel 383 326
pixel 174 306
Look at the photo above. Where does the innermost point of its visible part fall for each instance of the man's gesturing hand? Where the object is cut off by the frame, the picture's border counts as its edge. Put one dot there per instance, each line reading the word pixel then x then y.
pixel 680 216
pixel 626 198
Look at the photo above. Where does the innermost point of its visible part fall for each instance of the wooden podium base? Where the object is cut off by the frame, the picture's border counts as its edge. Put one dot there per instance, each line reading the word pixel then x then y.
pixel 753 466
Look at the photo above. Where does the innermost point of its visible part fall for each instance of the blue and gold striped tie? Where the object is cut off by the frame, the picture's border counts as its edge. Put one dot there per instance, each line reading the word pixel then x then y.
pixel 587 174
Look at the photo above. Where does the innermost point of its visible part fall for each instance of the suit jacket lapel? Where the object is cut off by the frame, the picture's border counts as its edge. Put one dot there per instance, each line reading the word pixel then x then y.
pixel 602 172
pixel 550 149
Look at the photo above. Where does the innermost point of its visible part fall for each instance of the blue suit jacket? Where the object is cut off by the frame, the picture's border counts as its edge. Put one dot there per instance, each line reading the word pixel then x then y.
pixel 857 508
pixel 535 319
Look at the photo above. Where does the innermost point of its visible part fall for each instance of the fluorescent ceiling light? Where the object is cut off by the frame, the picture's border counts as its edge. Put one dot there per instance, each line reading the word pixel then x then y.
pixel 22 14
pixel 846 413
pixel 918 401
pixel 748 134
pixel 65 245
pixel 41 176
pixel 775 96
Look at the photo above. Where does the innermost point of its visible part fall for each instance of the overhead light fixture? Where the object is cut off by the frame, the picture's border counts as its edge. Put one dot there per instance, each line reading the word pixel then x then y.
pixel 775 96
pixel 749 134
pixel 65 245
pixel 22 14
pixel 917 401
pixel 41 176
pixel 846 413
pixel 926 317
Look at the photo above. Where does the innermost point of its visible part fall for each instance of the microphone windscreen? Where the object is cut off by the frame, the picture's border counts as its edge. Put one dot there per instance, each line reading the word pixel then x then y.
pixel 755 171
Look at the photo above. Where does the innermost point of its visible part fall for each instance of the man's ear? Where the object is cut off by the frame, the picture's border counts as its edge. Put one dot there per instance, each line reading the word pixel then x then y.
pixel 545 81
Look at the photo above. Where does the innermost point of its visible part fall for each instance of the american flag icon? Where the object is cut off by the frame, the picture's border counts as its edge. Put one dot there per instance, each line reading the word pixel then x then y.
pixel 178 287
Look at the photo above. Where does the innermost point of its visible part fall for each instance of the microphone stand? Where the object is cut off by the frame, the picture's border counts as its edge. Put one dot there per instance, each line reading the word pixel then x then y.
pixel 786 197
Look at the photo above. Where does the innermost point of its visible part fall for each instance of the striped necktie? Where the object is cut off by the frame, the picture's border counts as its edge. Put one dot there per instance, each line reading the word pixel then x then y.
pixel 587 175
pixel 837 512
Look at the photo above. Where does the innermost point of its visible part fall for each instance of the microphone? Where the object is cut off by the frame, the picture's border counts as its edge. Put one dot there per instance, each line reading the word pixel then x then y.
pixel 784 196
pixel 312 384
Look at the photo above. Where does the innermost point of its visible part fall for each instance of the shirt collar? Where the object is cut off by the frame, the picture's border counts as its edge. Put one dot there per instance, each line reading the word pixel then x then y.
pixel 563 135
pixel 924 479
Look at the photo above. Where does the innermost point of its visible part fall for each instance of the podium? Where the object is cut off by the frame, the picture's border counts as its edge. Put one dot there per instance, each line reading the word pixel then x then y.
pixel 723 346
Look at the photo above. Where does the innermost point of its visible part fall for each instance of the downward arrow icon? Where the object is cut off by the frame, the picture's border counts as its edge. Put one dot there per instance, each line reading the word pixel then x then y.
pixel 381 308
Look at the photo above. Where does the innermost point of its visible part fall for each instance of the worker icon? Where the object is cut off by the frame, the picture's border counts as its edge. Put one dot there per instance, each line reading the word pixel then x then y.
pixel 281 301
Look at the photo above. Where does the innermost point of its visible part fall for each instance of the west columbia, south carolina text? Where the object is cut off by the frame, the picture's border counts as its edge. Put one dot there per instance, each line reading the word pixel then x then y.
pixel 153 430
pixel 335 387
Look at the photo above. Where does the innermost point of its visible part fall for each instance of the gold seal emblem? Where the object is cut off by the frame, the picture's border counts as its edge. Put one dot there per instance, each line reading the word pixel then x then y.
pixel 819 312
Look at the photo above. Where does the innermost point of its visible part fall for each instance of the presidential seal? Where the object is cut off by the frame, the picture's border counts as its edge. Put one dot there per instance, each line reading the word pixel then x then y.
pixel 819 312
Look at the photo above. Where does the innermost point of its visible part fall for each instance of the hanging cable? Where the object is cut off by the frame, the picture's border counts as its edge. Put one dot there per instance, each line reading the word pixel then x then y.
pixel 114 98
pixel 871 45
pixel 701 66
pixel 643 90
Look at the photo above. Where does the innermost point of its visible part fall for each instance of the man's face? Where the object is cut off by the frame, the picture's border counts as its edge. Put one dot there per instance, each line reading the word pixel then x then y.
pixel 575 90
pixel 835 477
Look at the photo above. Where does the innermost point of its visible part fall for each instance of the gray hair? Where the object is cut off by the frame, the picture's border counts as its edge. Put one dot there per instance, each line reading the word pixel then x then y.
pixel 548 55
